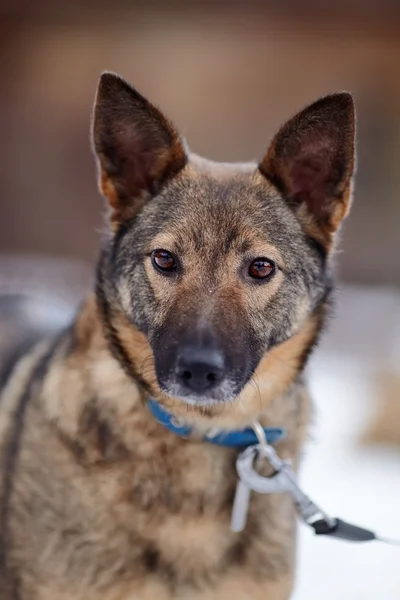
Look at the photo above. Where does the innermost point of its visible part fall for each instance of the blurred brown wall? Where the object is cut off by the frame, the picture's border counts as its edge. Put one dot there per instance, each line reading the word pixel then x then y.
pixel 227 79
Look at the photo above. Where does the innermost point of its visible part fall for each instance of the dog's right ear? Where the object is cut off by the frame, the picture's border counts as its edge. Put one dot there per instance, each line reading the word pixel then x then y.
pixel 137 148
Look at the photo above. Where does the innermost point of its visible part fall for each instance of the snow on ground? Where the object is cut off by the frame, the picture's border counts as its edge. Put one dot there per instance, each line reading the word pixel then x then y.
pixel 358 484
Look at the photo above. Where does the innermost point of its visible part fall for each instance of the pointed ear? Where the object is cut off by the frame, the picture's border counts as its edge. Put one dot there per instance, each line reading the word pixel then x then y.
pixel 137 148
pixel 311 162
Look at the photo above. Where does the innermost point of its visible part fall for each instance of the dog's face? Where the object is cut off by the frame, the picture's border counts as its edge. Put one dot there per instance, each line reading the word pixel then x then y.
pixel 215 263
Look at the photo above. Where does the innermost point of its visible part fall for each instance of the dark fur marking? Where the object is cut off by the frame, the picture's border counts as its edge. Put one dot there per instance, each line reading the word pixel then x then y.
pixel 122 230
pixel 11 360
pixel 151 559
pixel 115 345
pixel 237 553
pixel 244 247
pixel 274 179
pixel 95 432
pixel 230 238
pixel 319 248
pixel 11 460
pixel 320 313
pixel 154 563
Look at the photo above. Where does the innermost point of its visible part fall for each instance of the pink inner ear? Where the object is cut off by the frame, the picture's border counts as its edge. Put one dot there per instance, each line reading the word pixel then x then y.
pixel 311 182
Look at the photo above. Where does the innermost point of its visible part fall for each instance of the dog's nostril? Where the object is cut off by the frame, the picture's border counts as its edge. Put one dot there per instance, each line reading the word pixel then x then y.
pixel 200 369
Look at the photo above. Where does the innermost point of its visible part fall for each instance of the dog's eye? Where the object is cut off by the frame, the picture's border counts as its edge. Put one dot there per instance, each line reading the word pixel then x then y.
pixel 261 268
pixel 163 261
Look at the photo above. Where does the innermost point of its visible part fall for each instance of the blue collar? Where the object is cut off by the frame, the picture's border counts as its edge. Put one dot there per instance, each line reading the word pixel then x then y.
pixel 231 439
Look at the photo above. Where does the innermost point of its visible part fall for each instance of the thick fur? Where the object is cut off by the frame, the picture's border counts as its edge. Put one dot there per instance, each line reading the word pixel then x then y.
pixel 99 501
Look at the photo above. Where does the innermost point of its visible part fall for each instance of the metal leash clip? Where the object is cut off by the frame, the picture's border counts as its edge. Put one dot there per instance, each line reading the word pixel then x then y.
pixel 283 480
pixel 249 480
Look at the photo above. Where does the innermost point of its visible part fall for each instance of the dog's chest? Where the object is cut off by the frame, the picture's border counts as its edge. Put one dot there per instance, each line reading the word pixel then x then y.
pixel 164 523
pixel 170 523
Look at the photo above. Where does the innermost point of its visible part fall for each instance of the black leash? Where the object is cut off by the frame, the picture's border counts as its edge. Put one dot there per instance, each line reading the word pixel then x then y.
pixel 346 531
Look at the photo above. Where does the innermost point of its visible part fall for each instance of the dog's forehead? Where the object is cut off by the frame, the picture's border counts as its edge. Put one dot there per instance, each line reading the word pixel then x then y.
pixel 221 182
pixel 215 203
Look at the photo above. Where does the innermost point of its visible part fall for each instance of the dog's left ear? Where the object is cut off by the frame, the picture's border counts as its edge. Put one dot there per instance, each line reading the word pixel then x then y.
pixel 311 162
pixel 137 148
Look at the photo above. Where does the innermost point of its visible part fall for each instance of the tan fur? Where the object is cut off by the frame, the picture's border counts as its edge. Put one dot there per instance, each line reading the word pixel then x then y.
pixel 100 475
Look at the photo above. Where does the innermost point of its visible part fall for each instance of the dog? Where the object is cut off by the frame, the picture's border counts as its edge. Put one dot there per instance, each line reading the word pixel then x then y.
pixel 212 288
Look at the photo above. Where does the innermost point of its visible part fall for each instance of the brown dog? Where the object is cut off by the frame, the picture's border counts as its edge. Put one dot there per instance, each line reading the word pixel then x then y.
pixel 212 288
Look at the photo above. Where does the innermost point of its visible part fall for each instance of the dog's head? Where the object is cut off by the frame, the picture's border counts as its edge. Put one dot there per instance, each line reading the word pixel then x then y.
pixel 217 264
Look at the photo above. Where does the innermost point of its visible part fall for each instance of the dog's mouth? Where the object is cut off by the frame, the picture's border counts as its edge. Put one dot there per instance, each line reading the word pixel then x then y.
pixel 225 392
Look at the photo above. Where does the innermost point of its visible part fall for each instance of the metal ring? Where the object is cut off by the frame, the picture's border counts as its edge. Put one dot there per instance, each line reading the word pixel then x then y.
pixel 276 483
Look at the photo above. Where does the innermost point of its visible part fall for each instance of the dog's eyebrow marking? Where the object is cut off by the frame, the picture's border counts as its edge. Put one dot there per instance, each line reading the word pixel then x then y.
pixel 163 240
pixel 244 246
pixel 234 236
pixel 266 250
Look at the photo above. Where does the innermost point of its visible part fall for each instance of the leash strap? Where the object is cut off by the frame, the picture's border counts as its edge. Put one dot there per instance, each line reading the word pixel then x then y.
pixel 284 480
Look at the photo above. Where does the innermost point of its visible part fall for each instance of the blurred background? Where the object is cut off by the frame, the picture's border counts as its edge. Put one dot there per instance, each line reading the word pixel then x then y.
pixel 227 73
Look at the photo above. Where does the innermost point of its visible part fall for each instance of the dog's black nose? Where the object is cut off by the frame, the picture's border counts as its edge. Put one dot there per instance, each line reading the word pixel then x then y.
pixel 200 369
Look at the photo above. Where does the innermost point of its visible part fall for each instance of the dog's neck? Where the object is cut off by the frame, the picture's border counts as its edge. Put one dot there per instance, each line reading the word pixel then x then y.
pixel 110 389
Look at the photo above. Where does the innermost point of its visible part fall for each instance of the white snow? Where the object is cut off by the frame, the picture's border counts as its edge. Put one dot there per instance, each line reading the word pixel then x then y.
pixel 357 484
